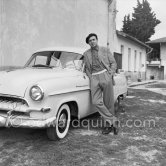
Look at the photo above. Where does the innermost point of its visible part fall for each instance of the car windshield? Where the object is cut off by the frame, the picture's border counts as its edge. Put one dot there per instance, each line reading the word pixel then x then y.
pixel 53 59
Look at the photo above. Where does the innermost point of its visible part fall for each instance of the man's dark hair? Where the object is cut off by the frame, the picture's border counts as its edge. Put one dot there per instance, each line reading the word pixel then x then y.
pixel 89 36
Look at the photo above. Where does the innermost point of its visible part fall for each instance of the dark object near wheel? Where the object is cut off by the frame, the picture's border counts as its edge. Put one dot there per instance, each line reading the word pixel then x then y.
pixel 119 108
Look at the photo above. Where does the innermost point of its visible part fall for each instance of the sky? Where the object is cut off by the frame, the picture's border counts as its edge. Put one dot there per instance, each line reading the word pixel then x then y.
pixel 125 7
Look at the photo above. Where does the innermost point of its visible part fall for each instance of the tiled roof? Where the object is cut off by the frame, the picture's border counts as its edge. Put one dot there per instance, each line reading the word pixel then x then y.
pixel 120 33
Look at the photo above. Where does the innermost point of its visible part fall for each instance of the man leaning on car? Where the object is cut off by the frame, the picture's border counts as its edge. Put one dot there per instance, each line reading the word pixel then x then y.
pixel 100 67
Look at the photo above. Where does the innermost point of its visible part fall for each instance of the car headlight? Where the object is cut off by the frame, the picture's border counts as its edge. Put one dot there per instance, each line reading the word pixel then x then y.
pixel 36 93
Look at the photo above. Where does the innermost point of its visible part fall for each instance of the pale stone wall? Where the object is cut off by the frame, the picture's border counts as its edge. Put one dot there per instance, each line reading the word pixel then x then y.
pixel 28 25
pixel 132 73
pixel 134 46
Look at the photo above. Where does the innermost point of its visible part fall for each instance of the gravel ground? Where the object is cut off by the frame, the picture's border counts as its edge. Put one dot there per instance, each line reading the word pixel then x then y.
pixel 141 140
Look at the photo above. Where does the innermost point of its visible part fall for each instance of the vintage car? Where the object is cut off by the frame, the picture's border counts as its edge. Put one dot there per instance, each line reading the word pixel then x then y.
pixel 50 89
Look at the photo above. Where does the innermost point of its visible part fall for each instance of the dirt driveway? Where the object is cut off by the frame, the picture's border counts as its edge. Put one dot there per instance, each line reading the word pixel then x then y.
pixel 141 141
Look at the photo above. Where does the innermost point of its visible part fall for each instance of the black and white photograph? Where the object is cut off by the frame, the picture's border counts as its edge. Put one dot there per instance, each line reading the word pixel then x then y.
pixel 82 83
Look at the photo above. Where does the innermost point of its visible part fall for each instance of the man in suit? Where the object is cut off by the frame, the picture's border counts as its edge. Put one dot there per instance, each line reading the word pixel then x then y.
pixel 100 67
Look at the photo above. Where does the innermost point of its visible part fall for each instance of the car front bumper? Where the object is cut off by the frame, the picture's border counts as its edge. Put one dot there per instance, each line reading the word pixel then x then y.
pixel 10 121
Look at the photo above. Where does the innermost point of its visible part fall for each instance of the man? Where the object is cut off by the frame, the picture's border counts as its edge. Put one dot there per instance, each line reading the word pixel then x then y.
pixel 100 67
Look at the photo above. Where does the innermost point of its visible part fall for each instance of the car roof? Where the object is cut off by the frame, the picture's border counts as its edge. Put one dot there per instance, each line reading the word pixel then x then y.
pixel 77 50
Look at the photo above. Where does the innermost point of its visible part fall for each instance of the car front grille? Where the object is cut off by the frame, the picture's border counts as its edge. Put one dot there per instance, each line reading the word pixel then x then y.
pixel 12 99
pixel 8 103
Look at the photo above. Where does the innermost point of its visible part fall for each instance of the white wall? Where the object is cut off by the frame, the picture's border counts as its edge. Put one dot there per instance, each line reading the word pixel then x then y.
pixel 28 25
pixel 163 51
pixel 134 47
pixel 112 27
pixel 163 57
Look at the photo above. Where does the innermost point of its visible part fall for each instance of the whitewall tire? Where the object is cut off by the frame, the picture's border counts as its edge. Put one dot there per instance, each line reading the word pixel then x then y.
pixel 60 130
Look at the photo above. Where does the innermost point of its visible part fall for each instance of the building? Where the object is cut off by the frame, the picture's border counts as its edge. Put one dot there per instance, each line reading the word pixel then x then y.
pixel 156 62
pixel 131 56
pixel 27 26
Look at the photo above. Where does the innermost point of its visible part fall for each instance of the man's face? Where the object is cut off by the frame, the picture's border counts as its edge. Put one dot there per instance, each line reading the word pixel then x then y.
pixel 93 41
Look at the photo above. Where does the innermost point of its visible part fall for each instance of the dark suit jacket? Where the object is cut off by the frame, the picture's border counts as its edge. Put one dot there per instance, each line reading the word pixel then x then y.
pixel 105 57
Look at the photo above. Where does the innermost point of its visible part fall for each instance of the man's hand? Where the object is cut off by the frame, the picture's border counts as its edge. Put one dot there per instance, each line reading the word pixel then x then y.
pixel 111 72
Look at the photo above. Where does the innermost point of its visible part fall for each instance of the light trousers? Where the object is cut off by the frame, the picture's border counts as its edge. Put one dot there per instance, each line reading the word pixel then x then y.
pixel 102 95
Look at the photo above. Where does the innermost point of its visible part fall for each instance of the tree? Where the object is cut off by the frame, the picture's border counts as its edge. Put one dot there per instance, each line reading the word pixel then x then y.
pixel 143 22
pixel 127 24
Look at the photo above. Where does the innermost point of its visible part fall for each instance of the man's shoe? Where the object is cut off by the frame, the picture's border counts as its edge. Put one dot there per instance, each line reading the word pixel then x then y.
pixel 107 130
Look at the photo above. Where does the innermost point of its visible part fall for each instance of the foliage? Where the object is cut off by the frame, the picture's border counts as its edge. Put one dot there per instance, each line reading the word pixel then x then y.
pixel 143 22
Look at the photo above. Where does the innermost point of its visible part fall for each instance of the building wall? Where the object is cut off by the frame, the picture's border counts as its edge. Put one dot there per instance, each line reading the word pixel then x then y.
pixel 163 51
pixel 133 58
pixel 156 72
pixel 112 38
pixel 163 64
pixel 163 57
pixel 130 65
pixel 34 24
pixel 155 68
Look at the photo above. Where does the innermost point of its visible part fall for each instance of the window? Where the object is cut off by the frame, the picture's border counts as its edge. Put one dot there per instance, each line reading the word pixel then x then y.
pixel 122 52
pixel 135 60
pixel 122 49
pixel 140 60
pixel 129 59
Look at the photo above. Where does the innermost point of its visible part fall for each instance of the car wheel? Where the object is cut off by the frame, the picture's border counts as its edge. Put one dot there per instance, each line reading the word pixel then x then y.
pixel 60 130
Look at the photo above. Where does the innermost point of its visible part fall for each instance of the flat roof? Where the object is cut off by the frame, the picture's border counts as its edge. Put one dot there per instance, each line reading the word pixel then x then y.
pixel 160 40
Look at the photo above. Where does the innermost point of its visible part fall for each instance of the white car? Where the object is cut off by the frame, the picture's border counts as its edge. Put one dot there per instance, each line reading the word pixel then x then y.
pixel 50 89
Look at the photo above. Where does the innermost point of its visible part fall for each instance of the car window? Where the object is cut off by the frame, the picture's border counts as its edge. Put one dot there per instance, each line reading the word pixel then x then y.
pixel 69 59
pixel 40 60
pixel 32 63
pixel 54 59
pixel 54 62
pixel 43 59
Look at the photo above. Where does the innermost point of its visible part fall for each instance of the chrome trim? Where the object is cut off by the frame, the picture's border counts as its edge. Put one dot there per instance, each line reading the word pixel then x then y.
pixel 86 88
pixel 14 96
pixel 5 95
pixel 27 123
pixel 80 86
pixel 41 91
pixel 27 110
pixel 46 110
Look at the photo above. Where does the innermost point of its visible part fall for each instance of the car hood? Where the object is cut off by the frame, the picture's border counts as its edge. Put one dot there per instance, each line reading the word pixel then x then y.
pixel 16 82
